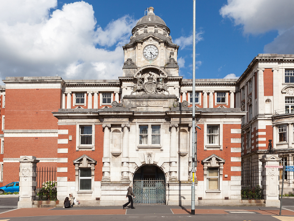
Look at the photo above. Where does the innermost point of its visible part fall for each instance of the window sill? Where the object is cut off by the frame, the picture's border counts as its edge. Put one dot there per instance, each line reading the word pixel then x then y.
pixel 212 191
pixel 213 147
pixel 281 143
pixel 85 147
pixel 85 192
pixel 155 146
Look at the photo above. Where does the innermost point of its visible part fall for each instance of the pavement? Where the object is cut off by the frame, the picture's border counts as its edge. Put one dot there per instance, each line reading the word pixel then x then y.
pixel 145 212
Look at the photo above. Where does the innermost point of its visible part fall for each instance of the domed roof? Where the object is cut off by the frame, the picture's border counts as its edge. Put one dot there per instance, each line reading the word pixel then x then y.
pixel 150 19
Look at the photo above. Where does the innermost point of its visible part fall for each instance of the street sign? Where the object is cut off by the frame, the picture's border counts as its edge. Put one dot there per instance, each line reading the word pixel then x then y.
pixel 289 168
pixel 269 166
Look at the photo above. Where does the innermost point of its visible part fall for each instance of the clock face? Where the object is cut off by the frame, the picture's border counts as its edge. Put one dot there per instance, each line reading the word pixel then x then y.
pixel 150 52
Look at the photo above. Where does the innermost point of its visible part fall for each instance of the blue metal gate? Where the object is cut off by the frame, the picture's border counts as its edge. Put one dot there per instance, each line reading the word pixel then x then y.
pixel 149 191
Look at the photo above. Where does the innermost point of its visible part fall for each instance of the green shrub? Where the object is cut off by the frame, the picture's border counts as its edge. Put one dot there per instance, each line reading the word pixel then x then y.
pixel 252 193
pixel 48 191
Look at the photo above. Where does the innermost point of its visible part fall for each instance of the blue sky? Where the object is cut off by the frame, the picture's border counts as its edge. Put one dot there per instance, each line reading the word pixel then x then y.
pixel 83 39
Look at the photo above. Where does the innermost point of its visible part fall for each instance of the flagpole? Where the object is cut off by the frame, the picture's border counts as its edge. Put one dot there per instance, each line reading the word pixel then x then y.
pixel 194 132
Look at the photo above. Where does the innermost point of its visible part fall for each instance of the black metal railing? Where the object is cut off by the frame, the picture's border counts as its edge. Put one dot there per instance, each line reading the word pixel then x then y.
pixel 46 183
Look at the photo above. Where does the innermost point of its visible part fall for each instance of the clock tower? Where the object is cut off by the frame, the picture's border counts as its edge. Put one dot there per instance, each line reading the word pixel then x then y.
pixel 150 47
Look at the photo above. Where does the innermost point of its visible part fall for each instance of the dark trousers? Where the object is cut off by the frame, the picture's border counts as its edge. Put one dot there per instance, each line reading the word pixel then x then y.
pixel 130 201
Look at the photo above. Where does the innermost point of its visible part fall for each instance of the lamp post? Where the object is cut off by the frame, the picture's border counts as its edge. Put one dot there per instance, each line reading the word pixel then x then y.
pixel 194 132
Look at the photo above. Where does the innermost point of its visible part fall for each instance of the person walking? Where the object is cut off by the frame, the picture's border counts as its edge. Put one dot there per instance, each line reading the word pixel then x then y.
pixel 130 195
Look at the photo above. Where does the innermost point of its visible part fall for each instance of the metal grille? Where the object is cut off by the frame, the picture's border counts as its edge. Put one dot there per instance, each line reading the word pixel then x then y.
pixel 149 191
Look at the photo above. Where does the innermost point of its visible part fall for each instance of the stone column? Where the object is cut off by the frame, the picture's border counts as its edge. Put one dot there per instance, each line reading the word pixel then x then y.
pixel 184 94
pixel 95 100
pixel 68 105
pixel 106 153
pixel 211 99
pixel 63 101
pixel 173 152
pixel 117 97
pixel 125 152
pixel 204 99
pixel 27 181
pixel 232 99
pixel 89 100
pixel 290 135
pixel 270 179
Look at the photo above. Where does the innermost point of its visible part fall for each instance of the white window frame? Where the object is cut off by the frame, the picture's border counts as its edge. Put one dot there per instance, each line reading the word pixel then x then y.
pixel 101 98
pixel 226 97
pixel 75 98
pixel 80 146
pixel 2 146
pixel 208 146
pixel 291 74
pixel 149 136
pixel 3 100
pixel 289 102
pixel 3 122
pixel 282 129
pixel 190 97
pixel 85 178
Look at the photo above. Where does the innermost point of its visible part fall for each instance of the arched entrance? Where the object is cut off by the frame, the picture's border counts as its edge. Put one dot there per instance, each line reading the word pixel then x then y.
pixel 149 185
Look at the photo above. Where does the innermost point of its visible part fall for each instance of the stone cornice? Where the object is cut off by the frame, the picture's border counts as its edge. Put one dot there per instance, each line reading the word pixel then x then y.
pixel 89 83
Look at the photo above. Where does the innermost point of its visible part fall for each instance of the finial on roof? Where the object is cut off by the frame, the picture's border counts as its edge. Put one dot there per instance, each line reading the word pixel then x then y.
pixel 150 10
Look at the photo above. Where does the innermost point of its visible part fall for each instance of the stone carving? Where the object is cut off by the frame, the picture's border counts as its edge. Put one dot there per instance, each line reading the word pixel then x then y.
pixel 185 104
pixel 171 63
pixel 288 90
pixel 116 104
pixel 249 99
pixel 221 106
pixel 149 159
pixel 25 171
pixel 150 83
pixel 243 106
pixel 129 64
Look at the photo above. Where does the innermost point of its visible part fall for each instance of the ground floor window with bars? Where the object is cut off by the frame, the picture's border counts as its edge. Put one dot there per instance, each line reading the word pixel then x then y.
pixel 212 179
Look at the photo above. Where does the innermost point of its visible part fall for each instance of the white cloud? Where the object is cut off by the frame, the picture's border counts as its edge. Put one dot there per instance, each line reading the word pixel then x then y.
pixel 259 16
pixel 231 76
pixel 187 41
pixel 181 62
pixel 65 43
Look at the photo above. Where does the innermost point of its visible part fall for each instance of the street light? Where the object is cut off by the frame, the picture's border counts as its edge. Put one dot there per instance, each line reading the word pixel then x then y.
pixel 194 132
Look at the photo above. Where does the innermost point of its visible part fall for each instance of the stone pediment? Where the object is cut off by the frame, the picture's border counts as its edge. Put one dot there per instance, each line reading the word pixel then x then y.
pixel 288 90
pixel 84 161
pixel 213 161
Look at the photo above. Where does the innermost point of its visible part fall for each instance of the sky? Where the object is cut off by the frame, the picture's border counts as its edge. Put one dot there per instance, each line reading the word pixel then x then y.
pixel 84 39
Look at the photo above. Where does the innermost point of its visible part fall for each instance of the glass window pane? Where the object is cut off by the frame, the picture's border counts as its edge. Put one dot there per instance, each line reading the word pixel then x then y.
pixel 155 129
pixel 155 139
pixel 86 139
pixel 86 129
pixel 85 172
pixel 143 139
pixel 144 129
pixel 85 184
